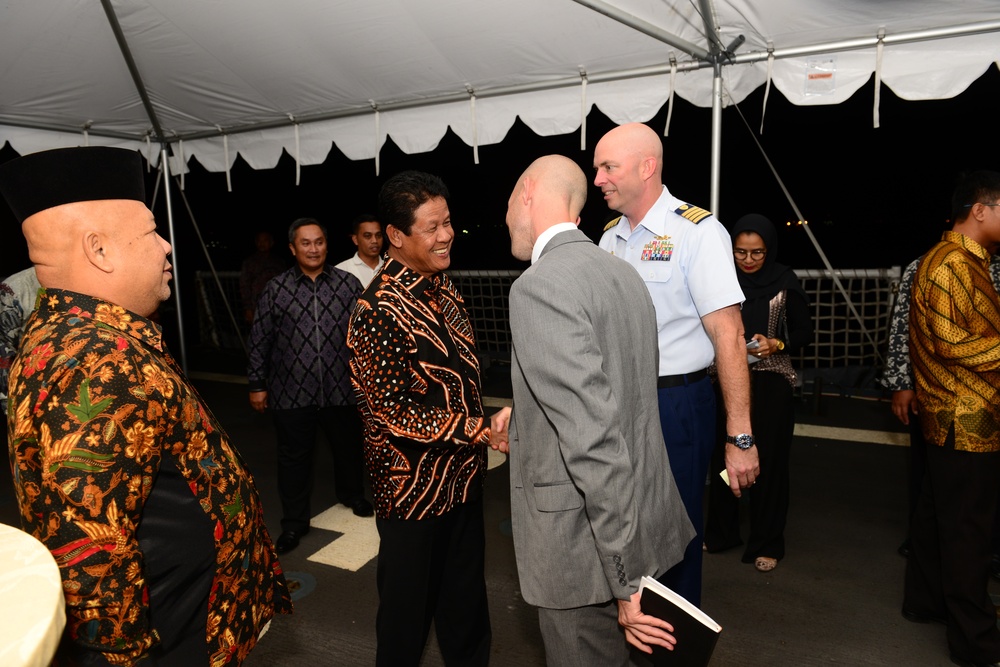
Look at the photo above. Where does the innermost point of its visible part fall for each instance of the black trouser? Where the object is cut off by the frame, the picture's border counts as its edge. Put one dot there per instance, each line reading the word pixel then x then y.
pixel 433 569
pixel 296 430
pixel 773 420
pixel 951 539
pixel 917 464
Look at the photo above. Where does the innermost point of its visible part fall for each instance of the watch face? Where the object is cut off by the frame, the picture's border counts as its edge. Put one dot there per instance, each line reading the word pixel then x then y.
pixel 743 441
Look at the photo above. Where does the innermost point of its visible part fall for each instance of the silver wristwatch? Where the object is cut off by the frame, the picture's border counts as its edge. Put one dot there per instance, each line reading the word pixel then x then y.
pixel 743 440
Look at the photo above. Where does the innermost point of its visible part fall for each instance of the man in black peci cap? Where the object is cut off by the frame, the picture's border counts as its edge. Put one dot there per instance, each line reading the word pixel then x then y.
pixel 119 468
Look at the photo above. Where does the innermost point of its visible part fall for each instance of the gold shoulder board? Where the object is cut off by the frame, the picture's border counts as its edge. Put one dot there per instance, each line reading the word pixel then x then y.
pixel 692 213
pixel 612 223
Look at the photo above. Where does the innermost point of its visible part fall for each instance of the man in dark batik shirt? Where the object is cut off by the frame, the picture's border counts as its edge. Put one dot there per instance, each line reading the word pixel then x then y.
pixel 414 369
pixel 119 468
pixel 298 368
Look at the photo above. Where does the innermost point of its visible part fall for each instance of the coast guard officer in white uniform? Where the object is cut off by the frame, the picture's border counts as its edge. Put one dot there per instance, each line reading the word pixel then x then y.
pixel 684 255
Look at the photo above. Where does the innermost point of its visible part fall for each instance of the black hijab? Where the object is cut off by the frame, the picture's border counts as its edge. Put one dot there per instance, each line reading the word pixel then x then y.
pixel 762 285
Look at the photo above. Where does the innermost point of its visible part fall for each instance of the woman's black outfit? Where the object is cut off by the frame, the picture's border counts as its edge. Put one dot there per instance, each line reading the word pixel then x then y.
pixel 777 307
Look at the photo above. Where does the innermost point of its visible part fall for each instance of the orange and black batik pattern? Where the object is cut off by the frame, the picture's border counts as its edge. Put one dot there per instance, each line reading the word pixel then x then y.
pixel 416 376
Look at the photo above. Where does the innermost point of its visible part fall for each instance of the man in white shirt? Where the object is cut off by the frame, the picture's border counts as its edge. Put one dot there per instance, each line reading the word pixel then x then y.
pixel 366 232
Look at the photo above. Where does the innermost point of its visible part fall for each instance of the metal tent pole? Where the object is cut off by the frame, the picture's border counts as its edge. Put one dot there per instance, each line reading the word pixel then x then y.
pixel 716 52
pixel 147 104
pixel 165 166
pixel 645 27
pixel 133 69
pixel 716 140
pixel 215 274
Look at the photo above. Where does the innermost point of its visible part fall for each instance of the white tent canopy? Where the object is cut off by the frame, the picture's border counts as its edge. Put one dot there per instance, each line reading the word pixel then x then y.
pixel 217 78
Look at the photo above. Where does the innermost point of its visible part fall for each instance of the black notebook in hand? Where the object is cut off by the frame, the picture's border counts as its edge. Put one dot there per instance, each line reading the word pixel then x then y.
pixel 695 631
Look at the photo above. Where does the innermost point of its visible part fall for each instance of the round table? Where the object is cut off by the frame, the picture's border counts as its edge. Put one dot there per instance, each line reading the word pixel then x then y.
pixel 31 601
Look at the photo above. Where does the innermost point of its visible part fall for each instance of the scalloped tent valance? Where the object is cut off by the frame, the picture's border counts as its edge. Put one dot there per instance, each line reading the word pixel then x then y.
pixel 217 78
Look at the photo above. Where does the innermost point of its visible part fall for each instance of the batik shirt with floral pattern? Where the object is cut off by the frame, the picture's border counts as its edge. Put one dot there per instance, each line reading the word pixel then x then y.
pixel 416 376
pixel 96 404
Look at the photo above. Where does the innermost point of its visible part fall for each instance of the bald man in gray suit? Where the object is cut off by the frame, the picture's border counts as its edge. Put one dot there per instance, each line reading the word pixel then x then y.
pixel 593 503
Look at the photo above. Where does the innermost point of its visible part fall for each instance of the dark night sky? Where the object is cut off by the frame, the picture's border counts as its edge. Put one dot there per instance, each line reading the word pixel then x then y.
pixel 874 197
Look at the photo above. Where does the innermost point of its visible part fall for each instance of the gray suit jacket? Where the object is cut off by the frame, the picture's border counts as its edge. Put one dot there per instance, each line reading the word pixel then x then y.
pixel 593 503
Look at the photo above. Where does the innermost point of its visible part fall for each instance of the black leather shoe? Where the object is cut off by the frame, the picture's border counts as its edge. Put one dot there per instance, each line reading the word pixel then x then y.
pixel 361 507
pixel 917 617
pixel 969 663
pixel 288 540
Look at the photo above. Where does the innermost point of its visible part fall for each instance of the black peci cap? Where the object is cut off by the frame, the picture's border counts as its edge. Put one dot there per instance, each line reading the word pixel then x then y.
pixel 52 178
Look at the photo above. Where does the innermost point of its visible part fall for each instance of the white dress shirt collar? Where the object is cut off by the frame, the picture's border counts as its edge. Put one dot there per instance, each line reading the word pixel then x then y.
pixel 546 236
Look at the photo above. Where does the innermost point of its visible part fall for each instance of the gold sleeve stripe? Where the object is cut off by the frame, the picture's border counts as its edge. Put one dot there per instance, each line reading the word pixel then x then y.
pixel 692 213
pixel 612 223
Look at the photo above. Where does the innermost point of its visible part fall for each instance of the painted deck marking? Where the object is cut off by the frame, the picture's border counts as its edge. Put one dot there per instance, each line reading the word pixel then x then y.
pixel 358 541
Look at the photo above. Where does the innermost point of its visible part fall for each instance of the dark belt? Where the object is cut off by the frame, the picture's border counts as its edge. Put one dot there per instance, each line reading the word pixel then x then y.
pixel 667 381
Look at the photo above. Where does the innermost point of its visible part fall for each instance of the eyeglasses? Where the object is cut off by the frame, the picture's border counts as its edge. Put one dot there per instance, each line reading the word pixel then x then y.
pixel 971 205
pixel 757 253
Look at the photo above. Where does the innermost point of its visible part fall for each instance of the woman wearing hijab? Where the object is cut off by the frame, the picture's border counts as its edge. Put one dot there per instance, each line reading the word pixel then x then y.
pixel 776 322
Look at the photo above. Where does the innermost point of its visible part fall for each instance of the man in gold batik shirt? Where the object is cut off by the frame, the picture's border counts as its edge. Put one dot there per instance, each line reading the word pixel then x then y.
pixel 955 347
pixel 119 467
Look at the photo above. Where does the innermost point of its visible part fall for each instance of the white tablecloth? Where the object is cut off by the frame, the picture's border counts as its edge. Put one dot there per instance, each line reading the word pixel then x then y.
pixel 32 609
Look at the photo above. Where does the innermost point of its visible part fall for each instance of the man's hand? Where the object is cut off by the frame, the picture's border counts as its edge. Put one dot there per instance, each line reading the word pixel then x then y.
pixel 742 466
pixel 642 630
pixel 904 403
pixel 498 431
pixel 258 400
